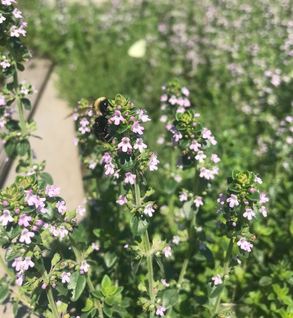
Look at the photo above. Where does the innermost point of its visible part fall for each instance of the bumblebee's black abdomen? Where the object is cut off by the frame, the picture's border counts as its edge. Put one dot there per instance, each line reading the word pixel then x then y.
pixel 100 128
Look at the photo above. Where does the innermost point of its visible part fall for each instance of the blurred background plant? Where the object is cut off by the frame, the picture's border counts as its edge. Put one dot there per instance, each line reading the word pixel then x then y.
pixel 236 60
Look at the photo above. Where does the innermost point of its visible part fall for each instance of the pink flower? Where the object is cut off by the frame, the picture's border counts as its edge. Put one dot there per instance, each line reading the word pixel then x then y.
pixel 167 251
pixel 263 211
pixel 233 201
pixel 2 18
pixel 60 205
pixel 160 311
pixel 17 263
pixel 23 220
pixel 8 2
pixel 173 100
pixel 129 178
pixel 122 199
pixel 80 210
pixel 153 162
pixel 26 236
pixel 139 145
pixel 176 239
pixel 198 202
pixel 206 133
pixel 183 197
pixel 84 266
pixel 149 210
pixel 215 158
pixel 109 168
pixel 20 278
pixel 244 245
pixel 164 282
pixel 137 129
pixel 5 64
pixel 142 115
pixel 200 156
pixel 27 263
pixel 106 158
pixel 164 98
pixel 117 118
pixel 217 280
pixel 95 246
pixel 92 165
pixel 17 13
pixel 52 191
pixel 65 277
pixel 263 198
pixel 6 217
pixel 195 145
pixel 177 135
pixel 185 91
pixel 248 214
pixel 125 144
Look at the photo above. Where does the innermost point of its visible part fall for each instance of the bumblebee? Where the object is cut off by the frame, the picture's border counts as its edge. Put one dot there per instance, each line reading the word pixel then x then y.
pixel 100 109
pixel 100 127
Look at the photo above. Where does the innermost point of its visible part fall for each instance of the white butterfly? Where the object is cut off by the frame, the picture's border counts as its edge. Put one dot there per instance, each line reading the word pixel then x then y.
pixel 137 49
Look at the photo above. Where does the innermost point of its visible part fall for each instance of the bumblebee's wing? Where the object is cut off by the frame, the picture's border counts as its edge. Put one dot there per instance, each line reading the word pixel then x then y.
pixel 79 111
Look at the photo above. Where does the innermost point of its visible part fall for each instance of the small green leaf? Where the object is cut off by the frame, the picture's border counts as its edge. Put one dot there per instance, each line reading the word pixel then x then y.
pixel 216 290
pixel 8 71
pixel 77 284
pixel 112 290
pixel 135 265
pixel 3 241
pixel 15 308
pixel 9 147
pixel 20 67
pixel 26 103
pixel 50 213
pixel 109 300
pixel 170 298
pixel 138 224
pixel 110 259
pixel 47 177
pixel 56 258
pixel 188 211
pixel 13 231
pixel 88 306
pixel 108 311
pixel 265 281
pixel 22 147
pixel 119 290
pixel 117 307
pixel 79 234
pixel 106 282
pixel 253 196
pixel 159 262
pixel 97 294
pixel 61 289
pixel 126 162
pixel 4 293
pixel 97 232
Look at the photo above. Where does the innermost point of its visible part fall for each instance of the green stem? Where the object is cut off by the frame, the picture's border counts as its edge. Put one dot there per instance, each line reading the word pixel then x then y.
pixel 6 269
pixel 52 302
pixel 225 273
pixel 189 250
pixel 19 297
pixel 147 247
pixel 88 279
pixel 20 112
pixel 19 104
pixel 191 234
